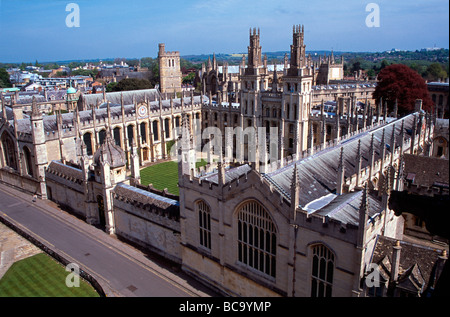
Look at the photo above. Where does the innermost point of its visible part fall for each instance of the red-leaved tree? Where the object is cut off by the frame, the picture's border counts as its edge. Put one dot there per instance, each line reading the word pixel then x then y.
pixel 401 83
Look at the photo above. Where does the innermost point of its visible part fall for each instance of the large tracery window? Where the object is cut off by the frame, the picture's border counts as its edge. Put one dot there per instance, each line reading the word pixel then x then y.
pixel 9 151
pixel 257 238
pixel 322 271
pixel 204 223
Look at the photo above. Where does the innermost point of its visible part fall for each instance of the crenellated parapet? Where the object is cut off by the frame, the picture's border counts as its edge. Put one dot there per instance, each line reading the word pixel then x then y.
pixel 67 175
pixel 146 204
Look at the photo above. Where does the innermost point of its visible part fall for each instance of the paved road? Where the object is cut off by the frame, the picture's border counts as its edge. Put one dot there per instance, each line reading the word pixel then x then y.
pixel 124 270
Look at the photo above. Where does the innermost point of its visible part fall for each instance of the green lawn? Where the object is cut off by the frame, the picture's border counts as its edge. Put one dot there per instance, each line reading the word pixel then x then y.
pixel 41 276
pixel 164 175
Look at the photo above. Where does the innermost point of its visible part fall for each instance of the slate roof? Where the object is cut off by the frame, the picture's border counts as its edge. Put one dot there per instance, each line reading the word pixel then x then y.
pixel 144 196
pixel 419 265
pixel 318 173
pixel 10 113
pixel 230 174
pixel 426 171
pixel 114 154
pixel 115 97
pixel 345 208
pixel 50 123
pixel 28 99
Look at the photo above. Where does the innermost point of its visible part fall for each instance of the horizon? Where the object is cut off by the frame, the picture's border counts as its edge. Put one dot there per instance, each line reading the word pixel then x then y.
pixel 37 30
pixel 98 59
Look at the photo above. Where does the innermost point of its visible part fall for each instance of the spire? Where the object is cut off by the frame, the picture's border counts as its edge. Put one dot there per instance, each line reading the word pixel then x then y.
pixel 392 144
pixel 275 79
pixel 214 62
pixel 209 65
pixel 34 108
pixel 311 137
pixel 221 171
pixel 400 173
pixel 358 163
pixel 340 173
pixel 363 217
pixel 387 181
pixel 383 144
pixel 364 206
pixel 396 108
pixel 295 191
pixel 104 93
pixel 402 136
pixel 4 114
pixel 371 156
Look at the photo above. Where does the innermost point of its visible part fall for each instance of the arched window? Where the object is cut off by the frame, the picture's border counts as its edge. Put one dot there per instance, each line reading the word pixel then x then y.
pixel 9 152
pixel 167 128
pixel 116 134
pixel 204 223
pixel 87 139
pixel 322 271
pixel 101 136
pixel 257 239
pixel 130 134
pixel 101 210
pixel 28 161
pixel 143 127
pixel 155 130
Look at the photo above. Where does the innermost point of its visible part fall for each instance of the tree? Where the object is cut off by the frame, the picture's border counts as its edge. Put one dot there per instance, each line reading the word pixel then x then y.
pixel 384 64
pixel 4 79
pixel 85 72
pixel 356 67
pixel 132 84
pixel 189 79
pixel 110 86
pixel 435 72
pixel 401 83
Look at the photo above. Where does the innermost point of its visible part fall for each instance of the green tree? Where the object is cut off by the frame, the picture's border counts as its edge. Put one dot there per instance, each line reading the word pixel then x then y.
pixel 435 72
pixel 4 79
pixel 189 79
pixel 85 72
pixel 110 86
pixel 132 84
pixel 384 63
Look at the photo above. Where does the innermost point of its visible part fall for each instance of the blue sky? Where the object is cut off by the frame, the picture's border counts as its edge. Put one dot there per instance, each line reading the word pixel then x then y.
pixel 36 30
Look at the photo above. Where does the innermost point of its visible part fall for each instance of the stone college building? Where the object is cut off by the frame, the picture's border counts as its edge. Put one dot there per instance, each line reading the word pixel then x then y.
pixel 307 223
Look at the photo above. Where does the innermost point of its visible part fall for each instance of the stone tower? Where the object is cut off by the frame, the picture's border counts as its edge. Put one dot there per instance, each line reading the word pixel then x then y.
pixel 110 169
pixel 254 50
pixel 39 146
pixel 297 84
pixel 169 70
pixel 254 79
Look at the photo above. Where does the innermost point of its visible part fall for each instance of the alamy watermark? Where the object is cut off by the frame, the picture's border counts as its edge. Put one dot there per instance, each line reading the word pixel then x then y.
pixel 73 278
pixel 237 144
pixel 373 18
pixel 73 18
pixel 373 277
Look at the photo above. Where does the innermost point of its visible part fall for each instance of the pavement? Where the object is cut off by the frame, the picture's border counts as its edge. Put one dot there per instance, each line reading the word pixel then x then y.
pixel 13 248
pixel 166 274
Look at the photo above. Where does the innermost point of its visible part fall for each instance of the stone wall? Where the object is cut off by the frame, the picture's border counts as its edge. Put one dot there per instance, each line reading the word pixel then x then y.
pixel 148 220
